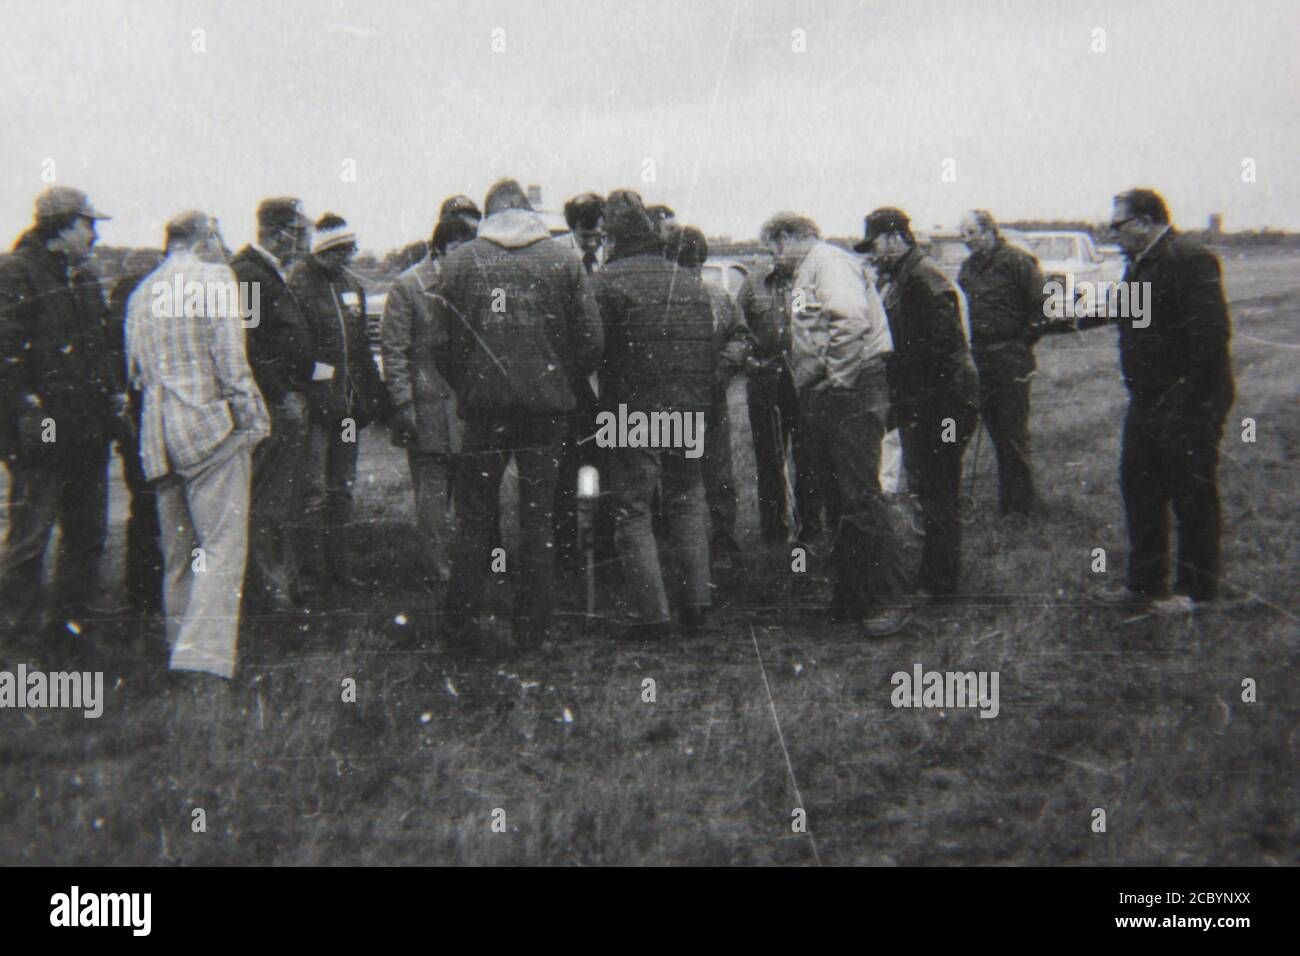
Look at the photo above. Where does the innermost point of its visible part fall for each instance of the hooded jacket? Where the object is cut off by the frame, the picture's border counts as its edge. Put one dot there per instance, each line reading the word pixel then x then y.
pixel 521 320
pixel 54 345
pixel 658 319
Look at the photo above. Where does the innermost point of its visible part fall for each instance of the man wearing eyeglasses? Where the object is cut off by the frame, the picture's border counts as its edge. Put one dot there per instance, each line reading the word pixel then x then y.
pixel 282 355
pixel 1178 370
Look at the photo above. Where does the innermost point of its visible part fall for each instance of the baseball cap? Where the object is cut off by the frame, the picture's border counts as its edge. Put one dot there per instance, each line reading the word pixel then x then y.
pixel 58 200
pixel 282 212
pixel 881 222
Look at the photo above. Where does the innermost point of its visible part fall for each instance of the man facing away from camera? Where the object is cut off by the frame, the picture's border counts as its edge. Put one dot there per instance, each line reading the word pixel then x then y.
pixel 425 422
pixel 62 399
pixel 1177 368
pixel 345 396
pixel 1005 292
pixel 933 385
pixel 522 326
pixel 202 414
pixel 280 352
pixel 659 359
pixel 840 344
pixel 732 346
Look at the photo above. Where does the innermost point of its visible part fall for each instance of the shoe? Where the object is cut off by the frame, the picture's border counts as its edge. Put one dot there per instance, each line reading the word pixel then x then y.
pixel 886 622
pixel 1176 605
pixel 1120 596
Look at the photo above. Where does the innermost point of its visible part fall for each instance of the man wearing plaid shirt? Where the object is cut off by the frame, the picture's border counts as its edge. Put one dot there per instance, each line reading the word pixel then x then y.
pixel 203 413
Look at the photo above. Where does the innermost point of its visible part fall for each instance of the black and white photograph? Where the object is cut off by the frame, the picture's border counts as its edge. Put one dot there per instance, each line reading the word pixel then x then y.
pixel 852 434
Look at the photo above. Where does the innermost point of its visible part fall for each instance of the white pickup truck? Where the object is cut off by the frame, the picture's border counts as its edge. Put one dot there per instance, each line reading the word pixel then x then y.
pixel 1073 260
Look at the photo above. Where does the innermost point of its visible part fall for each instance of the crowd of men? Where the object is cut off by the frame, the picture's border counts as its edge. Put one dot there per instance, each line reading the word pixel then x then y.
pixel 237 416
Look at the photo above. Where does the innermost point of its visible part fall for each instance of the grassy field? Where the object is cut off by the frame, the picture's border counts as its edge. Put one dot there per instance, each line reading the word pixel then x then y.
pixel 776 710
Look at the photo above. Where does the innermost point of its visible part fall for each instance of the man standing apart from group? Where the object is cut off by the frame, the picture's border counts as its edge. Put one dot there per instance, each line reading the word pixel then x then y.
pixel 935 394
pixel 1177 368
pixel 1004 290
pixel 840 344
pixel 202 414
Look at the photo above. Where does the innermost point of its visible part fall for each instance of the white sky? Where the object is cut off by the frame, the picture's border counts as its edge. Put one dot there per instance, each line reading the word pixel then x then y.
pixel 737 123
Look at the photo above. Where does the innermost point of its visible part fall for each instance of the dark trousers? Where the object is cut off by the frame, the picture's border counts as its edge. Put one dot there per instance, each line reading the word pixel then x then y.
pixel 774 423
pixel 1004 375
pixel 330 475
pixel 934 474
pixel 144 559
pixel 637 473
pixel 1171 458
pixel 844 428
pixel 277 507
pixel 72 491
pixel 719 480
pixel 535 444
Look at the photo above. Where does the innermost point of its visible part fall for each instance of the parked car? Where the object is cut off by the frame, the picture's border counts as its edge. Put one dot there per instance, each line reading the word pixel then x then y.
pixel 1071 258
pixel 728 273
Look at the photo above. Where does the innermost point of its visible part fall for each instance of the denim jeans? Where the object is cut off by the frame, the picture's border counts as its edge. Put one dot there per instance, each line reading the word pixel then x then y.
pixel 636 473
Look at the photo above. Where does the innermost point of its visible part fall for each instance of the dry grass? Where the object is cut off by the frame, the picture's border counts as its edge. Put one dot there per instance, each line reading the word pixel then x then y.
pixel 1143 719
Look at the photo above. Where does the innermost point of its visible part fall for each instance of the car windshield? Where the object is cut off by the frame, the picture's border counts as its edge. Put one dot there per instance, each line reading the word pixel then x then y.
pixel 1051 247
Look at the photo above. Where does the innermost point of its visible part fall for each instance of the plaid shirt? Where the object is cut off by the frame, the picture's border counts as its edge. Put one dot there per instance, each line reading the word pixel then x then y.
pixel 190 365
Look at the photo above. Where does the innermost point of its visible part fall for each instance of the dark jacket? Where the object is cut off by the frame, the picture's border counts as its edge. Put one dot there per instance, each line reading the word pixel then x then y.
pixel 280 347
pixel 658 324
pixel 931 365
pixel 764 303
pixel 412 336
pixel 1004 291
pixel 54 345
pixel 334 307
pixel 1182 359
pixel 521 321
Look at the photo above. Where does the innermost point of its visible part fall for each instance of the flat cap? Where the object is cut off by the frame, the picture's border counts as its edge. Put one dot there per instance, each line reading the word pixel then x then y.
pixel 282 211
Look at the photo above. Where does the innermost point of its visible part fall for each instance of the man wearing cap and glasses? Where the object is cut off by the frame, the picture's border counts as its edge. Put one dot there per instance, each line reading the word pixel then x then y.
pixel 281 353
pixel 60 398
pixel 932 381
